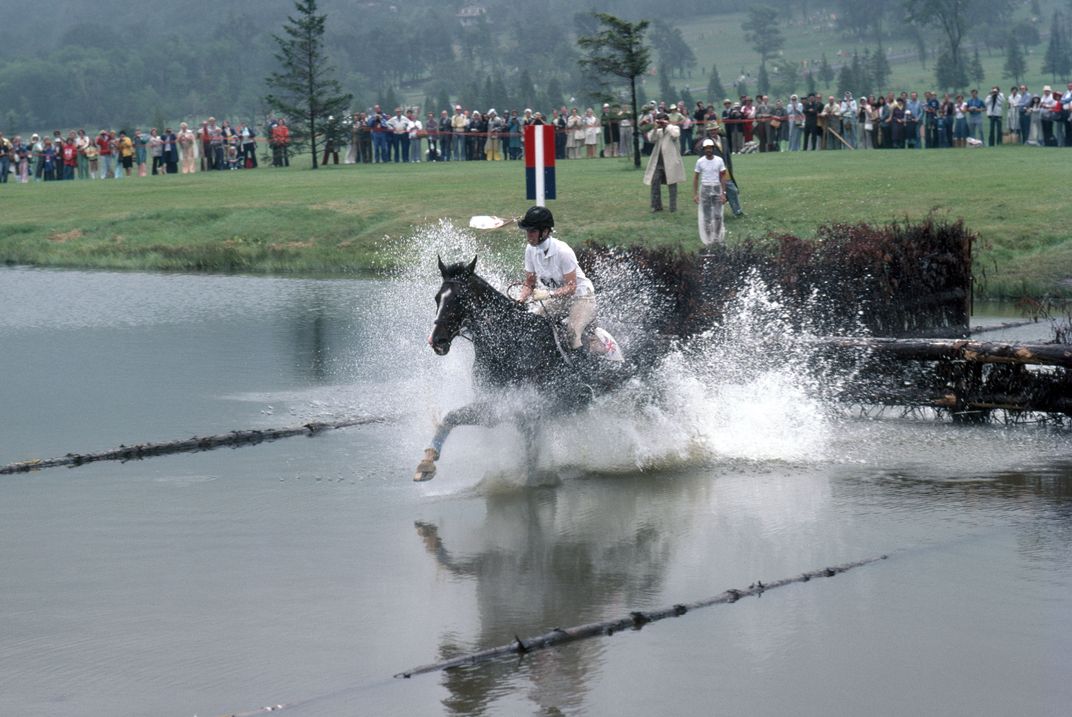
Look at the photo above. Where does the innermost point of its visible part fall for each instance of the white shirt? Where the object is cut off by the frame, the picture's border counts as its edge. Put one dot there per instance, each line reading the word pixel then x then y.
pixel 551 261
pixel 710 170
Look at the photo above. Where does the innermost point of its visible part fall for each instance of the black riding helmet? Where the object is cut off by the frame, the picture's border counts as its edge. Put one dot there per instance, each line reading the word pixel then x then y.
pixel 537 218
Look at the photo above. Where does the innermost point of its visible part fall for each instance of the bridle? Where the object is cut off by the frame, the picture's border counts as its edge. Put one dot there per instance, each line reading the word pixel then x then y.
pixel 458 285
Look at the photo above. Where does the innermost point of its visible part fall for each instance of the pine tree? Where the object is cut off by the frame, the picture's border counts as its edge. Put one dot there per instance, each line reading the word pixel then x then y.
pixel 950 73
pixel 861 77
pixel 442 102
pixel 305 91
pixel 715 90
pixel 763 80
pixel 826 72
pixel 846 82
pixel 880 68
pixel 976 69
pixel 809 83
pixel 1058 58
pixel 525 89
pixel 388 99
pixel 1015 64
pixel 666 89
pixel 618 49
pixel 554 94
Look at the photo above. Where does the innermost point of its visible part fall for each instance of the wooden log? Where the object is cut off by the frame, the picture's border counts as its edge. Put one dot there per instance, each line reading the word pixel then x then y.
pixel 959 349
pixel 634 620
pixel 197 443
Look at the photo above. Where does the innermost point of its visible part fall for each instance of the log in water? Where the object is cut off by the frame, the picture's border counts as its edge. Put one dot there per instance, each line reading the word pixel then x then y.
pixel 188 445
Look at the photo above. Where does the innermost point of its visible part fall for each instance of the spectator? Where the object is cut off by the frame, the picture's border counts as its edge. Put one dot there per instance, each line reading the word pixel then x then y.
pixel 141 141
pixel 995 110
pixel 591 132
pixel 170 151
pixel 5 158
pixel 664 164
pixel 187 142
pixel 107 159
pixel 975 109
pixel 156 151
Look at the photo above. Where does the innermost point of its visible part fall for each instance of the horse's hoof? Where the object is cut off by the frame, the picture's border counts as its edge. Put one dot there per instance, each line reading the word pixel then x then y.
pixel 426 468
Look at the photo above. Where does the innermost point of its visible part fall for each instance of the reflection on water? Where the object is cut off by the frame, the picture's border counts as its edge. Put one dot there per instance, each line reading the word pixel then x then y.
pixel 311 570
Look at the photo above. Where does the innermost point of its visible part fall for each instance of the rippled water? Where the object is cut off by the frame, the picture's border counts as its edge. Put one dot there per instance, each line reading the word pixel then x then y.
pixel 309 571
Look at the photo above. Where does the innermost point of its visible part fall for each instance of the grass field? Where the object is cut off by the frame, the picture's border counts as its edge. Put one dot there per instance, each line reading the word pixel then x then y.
pixel 348 219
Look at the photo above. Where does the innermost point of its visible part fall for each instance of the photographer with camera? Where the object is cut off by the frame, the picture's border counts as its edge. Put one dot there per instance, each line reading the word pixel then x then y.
pixel 995 110
pixel 664 164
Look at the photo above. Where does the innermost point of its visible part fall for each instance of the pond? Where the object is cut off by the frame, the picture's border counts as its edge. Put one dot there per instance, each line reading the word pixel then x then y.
pixel 307 572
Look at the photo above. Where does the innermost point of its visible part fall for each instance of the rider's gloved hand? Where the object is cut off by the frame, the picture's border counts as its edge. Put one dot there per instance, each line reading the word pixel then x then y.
pixel 540 295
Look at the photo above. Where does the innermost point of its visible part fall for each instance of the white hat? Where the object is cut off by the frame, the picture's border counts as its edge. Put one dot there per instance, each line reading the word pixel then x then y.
pixel 708 143
pixel 492 111
pixel 1047 88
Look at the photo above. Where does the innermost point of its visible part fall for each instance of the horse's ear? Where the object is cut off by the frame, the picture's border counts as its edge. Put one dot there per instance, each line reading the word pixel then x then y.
pixel 442 267
pixel 472 265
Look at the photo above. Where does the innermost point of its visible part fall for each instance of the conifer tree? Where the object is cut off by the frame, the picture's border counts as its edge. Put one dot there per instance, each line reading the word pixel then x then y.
pixel 1015 64
pixel 715 90
pixel 618 49
pixel 305 91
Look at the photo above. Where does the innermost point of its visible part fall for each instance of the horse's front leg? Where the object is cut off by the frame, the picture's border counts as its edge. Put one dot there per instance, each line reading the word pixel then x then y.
pixel 481 413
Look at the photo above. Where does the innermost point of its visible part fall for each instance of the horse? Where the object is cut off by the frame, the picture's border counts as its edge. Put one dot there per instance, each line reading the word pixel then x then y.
pixel 514 349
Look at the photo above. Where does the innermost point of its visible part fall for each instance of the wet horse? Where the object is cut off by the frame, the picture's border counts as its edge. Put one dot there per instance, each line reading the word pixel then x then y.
pixel 514 349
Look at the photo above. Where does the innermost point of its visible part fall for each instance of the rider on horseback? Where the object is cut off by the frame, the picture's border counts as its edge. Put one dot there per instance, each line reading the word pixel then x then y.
pixel 565 290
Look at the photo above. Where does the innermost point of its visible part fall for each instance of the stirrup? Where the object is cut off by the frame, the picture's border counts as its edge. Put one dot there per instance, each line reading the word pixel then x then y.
pixel 426 469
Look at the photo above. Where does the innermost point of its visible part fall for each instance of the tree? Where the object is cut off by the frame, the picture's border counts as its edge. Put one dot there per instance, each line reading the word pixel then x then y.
pixel 880 68
pixel 1015 64
pixel 949 71
pixel 305 91
pixel 618 49
pixel 761 30
pixel 826 72
pixel 1058 58
pixel 666 89
pixel 715 90
pixel 674 52
pixel 976 69
pixel 763 80
pixel 956 18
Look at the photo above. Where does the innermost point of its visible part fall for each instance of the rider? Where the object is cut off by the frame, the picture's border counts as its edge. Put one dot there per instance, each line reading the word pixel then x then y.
pixel 568 291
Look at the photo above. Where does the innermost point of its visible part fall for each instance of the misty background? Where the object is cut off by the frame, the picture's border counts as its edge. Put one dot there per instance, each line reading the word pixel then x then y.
pixel 117 63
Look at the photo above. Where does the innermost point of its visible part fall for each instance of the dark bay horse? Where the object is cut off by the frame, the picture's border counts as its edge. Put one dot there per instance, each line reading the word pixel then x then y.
pixel 514 350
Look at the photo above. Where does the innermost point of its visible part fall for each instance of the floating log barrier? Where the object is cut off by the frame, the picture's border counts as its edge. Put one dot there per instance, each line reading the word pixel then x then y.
pixel 960 350
pixel 233 439
pixel 634 621
pixel 969 379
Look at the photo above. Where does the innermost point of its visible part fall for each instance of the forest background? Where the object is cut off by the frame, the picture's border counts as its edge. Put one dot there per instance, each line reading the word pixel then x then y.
pixel 118 64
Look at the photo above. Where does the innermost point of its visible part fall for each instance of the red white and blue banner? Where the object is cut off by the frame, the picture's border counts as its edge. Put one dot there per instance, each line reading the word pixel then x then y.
pixel 539 162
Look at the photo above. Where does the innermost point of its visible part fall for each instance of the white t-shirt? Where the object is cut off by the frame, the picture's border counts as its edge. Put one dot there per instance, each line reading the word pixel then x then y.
pixel 551 261
pixel 710 170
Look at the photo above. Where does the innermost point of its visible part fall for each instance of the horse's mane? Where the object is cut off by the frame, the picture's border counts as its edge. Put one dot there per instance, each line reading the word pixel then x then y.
pixel 462 272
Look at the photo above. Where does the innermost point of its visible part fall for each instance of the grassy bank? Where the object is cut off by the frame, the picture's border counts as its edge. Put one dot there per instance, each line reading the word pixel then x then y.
pixel 336 219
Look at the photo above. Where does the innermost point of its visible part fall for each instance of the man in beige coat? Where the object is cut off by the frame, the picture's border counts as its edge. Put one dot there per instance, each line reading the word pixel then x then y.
pixel 664 164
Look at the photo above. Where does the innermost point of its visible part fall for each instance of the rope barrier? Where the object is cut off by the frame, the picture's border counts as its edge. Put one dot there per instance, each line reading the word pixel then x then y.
pixel 635 620
pixel 189 445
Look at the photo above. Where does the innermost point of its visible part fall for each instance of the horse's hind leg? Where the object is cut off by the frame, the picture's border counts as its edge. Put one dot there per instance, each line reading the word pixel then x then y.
pixel 475 414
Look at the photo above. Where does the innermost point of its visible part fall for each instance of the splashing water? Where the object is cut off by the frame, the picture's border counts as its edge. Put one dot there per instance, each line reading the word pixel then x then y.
pixel 744 390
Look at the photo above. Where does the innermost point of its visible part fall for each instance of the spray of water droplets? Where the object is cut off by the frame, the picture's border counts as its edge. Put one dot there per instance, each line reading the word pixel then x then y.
pixel 748 389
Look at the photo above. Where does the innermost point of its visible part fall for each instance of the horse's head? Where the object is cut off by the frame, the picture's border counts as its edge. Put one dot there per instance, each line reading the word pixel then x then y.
pixel 452 305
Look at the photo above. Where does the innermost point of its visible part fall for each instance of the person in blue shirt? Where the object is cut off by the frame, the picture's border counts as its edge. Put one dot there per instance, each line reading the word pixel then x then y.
pixel 976 109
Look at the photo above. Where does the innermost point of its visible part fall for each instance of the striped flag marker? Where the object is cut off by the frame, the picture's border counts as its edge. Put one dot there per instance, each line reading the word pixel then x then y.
pixel 539 163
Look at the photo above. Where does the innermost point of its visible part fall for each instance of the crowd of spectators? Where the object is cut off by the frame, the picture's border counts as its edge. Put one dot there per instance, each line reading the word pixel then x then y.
pixel 112 154
pixel 743 125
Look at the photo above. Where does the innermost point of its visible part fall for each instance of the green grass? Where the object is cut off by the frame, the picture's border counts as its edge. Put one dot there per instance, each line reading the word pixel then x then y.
pixel 335 220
